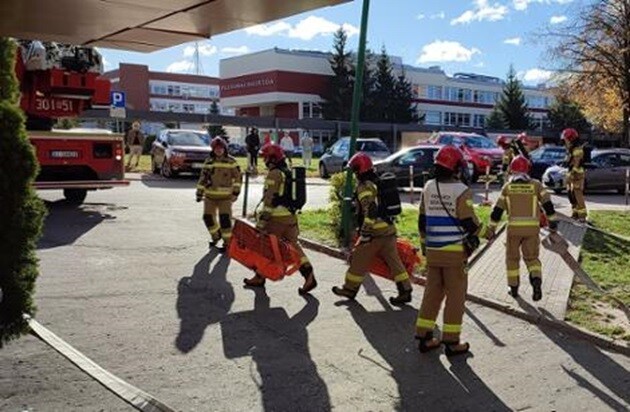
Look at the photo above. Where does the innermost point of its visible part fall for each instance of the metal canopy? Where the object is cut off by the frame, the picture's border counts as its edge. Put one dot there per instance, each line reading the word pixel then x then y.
pixel 140 25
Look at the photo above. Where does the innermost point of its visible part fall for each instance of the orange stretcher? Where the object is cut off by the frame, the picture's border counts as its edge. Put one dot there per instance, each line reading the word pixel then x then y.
pixel 270 257
pixel 408 255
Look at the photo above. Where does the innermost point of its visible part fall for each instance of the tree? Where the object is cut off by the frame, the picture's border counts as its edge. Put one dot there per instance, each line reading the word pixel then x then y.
pixel 338 104
pixel 594 46
pixel 495 120
pixel 66 123
pixel 21 211
pixel 215 129
pixel 565 112
pixel 404 108
pixel 368 99
pixel 384 91
pixel 600 102
pixel 511 104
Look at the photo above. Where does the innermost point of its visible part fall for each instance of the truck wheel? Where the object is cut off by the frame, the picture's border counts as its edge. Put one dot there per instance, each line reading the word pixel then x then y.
pixel 75 196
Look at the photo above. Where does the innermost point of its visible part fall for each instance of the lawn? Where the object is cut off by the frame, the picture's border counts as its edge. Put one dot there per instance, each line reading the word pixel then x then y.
pixel 605 259
pixel 145 165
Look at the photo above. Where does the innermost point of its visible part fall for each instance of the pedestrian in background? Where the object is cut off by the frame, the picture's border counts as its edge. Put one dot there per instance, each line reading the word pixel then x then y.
pixel 252 141
pixel 287 145
pixel 135 141
pixel 307 149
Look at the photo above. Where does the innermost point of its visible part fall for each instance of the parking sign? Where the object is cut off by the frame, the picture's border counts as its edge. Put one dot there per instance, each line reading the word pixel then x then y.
pixel 117 105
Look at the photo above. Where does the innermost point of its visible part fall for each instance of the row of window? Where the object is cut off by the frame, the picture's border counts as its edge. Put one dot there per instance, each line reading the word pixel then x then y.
pixel 184 90
pixel 311 110
pixel 464 119
pixel 458 94
pixel 179 107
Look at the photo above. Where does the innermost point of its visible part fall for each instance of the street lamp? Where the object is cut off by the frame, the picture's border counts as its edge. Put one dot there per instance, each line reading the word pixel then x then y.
pixel 354 128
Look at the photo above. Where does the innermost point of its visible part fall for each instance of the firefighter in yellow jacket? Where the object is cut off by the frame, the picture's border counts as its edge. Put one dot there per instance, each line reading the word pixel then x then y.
pixel 219 186
pixel 278 218
pixel 449 233
pixel 522 197
pixel 377 237
pixel 575 174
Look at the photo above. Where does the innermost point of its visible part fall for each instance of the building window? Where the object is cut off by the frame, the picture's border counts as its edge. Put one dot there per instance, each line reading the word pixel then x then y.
pixel 434 92
pixel 432 117
pixel 188 108
pixel 479 121
pixel 311 110
pixel 457 119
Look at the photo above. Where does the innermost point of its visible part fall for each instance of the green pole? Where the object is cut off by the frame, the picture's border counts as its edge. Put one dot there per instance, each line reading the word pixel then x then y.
pixel 354 128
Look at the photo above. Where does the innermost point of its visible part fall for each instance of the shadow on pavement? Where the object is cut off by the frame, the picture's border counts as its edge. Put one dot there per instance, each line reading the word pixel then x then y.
pixel 179 182
pixel 288 379
pixel 423 381
pixel 65 223
pixel 203 299
pixel 611 375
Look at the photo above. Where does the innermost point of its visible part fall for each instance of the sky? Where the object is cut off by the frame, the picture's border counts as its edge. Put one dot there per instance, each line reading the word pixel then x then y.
pixel 474 36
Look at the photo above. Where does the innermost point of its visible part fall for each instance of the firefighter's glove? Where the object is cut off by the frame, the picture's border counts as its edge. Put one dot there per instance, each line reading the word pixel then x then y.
pixel 199 196
pixel 235 196
pixel 490 234
pixel 553 225
pixel 365 238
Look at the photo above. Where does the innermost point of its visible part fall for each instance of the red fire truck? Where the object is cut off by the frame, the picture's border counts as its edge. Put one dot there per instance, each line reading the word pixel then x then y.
pixel 59 81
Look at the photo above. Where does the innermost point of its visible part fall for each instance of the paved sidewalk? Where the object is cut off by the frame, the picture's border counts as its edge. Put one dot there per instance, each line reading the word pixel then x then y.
pixel 487 277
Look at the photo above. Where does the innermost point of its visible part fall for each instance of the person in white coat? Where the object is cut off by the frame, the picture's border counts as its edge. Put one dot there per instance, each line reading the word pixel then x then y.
pixel 307 149
pixel 287 145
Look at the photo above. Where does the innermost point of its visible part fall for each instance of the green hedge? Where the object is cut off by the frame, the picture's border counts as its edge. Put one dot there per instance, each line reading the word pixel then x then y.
pixel 21 211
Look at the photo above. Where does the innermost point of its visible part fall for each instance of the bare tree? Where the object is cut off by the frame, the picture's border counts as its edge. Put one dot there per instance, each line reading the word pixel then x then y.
pixel 594 48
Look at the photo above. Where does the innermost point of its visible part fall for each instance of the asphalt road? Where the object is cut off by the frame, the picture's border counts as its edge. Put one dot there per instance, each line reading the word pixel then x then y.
pixel 127 279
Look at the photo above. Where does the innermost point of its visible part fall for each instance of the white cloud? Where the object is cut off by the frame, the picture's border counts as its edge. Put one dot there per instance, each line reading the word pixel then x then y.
pixel 535 76
pixel 515 41
pixel 482 11
pixel 235 50
pixel 524 4
pixel 557 19
pixel 446 51
pixel 204 50
pixel 306 29
pixel 441 15
pixel 182 66
pixel 421 16
pixel 268 29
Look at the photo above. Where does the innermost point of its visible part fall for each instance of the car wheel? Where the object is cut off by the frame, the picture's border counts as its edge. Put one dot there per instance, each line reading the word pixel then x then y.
pixel 323 173
pixel 154 167
pixel 75 196
pixel 166 169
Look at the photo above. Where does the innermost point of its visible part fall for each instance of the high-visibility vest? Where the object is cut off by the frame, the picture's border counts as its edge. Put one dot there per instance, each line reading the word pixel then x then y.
pixel 443 231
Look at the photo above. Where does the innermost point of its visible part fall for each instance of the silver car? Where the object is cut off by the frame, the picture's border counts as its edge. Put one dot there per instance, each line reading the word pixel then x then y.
pixel 336 157
pixel 605 171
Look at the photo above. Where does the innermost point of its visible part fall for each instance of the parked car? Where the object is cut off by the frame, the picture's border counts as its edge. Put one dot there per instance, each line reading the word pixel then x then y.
pixel 318 150
pixel 422 159
pixel 482 151
pixel 336 158
pixel 606 171
pixel 179 151
pixel 236 149
pixel 545 157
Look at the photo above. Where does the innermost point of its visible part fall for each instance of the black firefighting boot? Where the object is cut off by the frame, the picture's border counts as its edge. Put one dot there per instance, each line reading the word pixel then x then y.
pixel 344 292
pixel 427 343
pixel 310 282
pixel 404 295
pixel 455 348
pixel 513 291
pixel 255 281
pixel 537 286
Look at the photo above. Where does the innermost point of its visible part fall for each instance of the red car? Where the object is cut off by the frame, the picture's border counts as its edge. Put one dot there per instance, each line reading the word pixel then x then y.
pixel 480 150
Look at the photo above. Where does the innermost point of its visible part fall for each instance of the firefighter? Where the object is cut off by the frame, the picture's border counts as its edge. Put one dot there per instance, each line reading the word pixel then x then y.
pixel 277 217
pixel 575 174
pixel 377 237
pixel 522 197
pixel 449 233
pixel 219 186
pixel 508 152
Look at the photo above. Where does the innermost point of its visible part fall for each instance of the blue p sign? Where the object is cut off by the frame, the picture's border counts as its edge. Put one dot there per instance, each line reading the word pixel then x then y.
pixel 118 99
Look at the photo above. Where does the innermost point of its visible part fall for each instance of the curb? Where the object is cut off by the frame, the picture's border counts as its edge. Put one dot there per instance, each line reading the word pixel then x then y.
pixel 533 318
pixel 149 177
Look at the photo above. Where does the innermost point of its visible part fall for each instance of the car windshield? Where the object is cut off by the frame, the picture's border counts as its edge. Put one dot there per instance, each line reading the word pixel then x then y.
pixel 479 142
pixel 186 139
pixel 555 154
pixel 373 146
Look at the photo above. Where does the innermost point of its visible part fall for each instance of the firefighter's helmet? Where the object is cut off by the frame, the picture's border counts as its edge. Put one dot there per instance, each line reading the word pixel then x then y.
pixel 272 153
pixel 520 165
pixel 569 135
pixel 450 157
pixel 218 141
pixel 504 142
pixel 360 163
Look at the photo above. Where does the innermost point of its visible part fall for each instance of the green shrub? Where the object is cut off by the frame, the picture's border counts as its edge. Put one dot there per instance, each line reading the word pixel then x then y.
pixel 21 211
pixel 337 185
